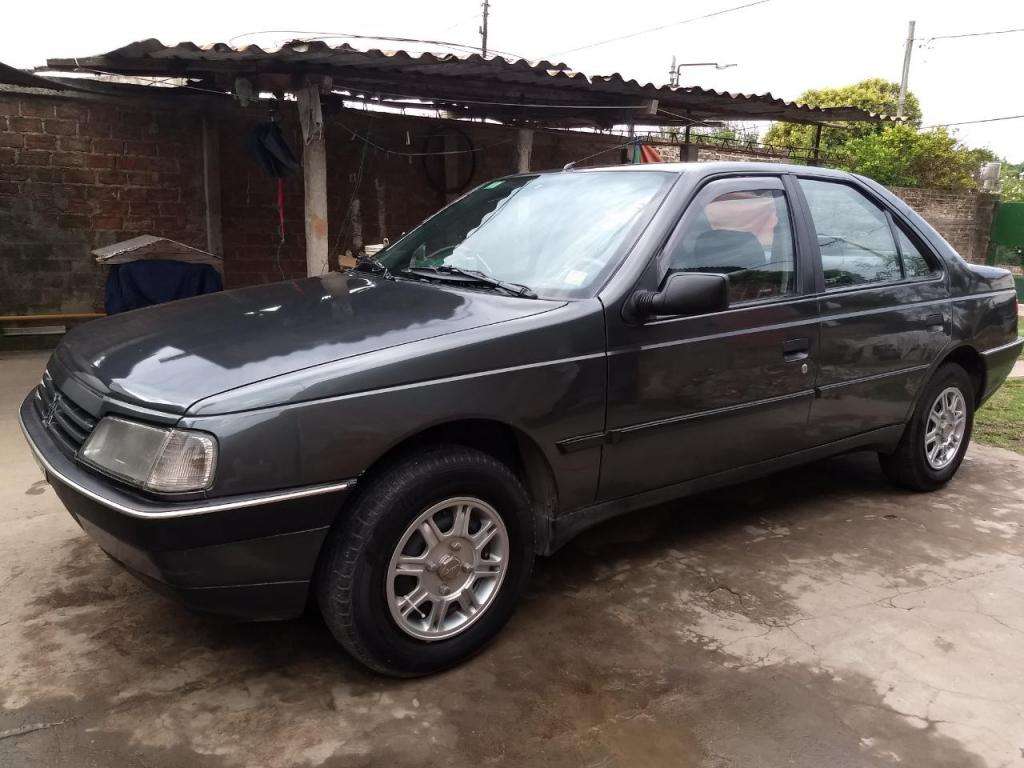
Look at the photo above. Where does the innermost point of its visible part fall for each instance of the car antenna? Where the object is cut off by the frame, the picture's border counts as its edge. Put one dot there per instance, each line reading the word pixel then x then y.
pixel 570 166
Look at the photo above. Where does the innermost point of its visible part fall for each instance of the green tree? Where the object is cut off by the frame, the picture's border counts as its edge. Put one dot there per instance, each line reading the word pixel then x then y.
pixel 902 156
pixel 874 95
pixel 1012 182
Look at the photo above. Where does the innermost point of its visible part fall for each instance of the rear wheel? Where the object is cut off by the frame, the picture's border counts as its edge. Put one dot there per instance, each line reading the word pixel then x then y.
pixel 935 440
pixel 429 563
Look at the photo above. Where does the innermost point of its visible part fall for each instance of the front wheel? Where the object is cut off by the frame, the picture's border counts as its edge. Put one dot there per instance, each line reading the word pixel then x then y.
pixel 935 440
pixel 429 563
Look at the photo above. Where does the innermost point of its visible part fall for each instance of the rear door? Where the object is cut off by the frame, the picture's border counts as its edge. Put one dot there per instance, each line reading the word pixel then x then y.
pixel 692 396
pixel 884 307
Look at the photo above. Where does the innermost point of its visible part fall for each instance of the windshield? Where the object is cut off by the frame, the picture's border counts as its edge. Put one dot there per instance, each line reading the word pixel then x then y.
pixel 558 234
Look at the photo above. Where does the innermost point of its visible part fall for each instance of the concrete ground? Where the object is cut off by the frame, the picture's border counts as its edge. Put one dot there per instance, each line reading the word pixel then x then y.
pixel 818 618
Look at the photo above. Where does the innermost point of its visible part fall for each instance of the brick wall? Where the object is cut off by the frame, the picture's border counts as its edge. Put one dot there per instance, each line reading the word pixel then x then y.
pixel 964 219
pixel 373 192
pixel 76 175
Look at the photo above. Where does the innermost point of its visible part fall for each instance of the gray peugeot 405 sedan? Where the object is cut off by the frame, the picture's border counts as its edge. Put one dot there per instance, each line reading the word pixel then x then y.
pixel 396 443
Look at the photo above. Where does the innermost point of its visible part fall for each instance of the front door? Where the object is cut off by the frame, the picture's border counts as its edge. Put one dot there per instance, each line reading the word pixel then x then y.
pixel 692 396
pixel 884 307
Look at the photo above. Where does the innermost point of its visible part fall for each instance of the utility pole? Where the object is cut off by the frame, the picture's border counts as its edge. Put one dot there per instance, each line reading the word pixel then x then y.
pixel 906 69
pixel 483 30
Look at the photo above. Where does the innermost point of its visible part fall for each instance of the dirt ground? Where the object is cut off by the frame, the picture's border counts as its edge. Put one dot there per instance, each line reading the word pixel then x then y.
pixel 817 618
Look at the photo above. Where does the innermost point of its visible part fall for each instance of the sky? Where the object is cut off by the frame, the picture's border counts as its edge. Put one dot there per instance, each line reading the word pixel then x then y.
pixel 780 46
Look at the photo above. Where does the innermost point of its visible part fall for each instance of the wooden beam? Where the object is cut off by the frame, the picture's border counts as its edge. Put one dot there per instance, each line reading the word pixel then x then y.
pixel 524 149
pixel 211 186
pixel 314 175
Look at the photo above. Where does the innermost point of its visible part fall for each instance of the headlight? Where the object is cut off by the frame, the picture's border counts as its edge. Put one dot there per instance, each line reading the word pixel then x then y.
pixel 155 458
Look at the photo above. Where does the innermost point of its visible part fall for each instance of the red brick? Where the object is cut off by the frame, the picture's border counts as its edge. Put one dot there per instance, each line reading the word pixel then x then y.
pixel 143 148
pixel 75 144
pixel 70 159
pixel 40 141
pixel 60 127
pixel 107 222
pixel 12 140
pixel 95 130
pixel 108 146
pixel 32 108
pixel 142 178
pixel 26 124
pixel 8 188
pixel 33 157
pixel 136 163
pixel 73 111
pixel 9 106
pixel 79 176
pixel 74 222
pixel 100 161
pixel 110 177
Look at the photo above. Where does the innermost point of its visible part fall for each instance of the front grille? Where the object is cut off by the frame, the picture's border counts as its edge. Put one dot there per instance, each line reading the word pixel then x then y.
pixel 67 422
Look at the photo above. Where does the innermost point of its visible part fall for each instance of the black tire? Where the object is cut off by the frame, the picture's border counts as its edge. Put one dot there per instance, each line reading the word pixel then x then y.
pixel 908 465
pixel 354 563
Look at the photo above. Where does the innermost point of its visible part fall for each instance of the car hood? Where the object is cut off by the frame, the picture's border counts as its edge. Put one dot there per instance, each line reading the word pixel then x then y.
pixel 172 355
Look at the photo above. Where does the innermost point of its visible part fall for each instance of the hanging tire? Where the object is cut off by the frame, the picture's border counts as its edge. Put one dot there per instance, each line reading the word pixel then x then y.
pixel 935 440
pixel 429 563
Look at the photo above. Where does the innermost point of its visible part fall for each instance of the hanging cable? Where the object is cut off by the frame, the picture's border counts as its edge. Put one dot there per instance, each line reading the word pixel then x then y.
pixel 661 27
pixel 974 122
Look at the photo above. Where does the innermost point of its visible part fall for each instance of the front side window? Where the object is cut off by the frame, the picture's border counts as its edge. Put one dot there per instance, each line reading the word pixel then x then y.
pixel 559 234
pixel 853 234
pixel 745 235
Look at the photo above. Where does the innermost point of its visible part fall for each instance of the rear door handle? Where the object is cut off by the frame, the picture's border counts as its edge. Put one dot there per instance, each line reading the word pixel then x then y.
pixel 796 349
pixel 935 320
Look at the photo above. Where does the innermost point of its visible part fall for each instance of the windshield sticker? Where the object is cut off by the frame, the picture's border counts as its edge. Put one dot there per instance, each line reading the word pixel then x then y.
pixel 575 277
pixel 494 184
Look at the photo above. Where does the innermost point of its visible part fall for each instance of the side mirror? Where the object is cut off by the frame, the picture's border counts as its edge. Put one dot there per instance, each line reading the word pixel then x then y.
pixel 685 293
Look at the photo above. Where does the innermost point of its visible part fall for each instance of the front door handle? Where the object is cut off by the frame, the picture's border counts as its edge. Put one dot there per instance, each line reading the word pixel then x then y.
pixel 796 349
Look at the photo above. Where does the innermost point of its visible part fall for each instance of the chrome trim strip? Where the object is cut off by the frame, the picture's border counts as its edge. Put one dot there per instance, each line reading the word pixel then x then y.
pixel 1004 347
pixel 183 511
pixel 621 433
pixel 873 377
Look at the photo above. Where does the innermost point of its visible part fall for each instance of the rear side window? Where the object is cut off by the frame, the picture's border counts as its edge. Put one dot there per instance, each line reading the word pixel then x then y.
pixel 853 234
pixel 745 235
pixel 914 262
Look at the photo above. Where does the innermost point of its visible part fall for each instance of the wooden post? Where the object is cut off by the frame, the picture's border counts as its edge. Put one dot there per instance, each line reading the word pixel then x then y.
pixel 687 151
pixel 524 150
pixel 211 186
pixel 314 174
pixel 451 165
pixel 817 145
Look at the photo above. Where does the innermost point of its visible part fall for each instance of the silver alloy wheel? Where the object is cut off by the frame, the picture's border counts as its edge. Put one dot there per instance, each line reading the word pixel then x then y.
pixel 944 433
pixel 447 568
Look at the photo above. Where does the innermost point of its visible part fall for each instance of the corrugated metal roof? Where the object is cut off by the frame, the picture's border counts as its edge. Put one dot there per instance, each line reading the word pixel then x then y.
pixel 507 89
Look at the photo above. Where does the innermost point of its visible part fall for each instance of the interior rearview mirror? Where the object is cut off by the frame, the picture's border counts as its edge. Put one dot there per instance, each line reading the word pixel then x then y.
pixel 685 293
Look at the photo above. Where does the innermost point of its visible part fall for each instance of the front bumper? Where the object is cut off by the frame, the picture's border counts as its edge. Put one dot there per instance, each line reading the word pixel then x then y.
pixel 248 557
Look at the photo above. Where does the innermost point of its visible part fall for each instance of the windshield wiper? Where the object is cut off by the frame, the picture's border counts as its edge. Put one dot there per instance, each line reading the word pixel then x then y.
pixel 515 289
pixel 370 264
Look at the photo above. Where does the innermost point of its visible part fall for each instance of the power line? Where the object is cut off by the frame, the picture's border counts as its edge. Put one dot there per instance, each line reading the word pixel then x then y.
pixel 661 27
pixel 325 35
pixel 975 122
pixel 972 34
